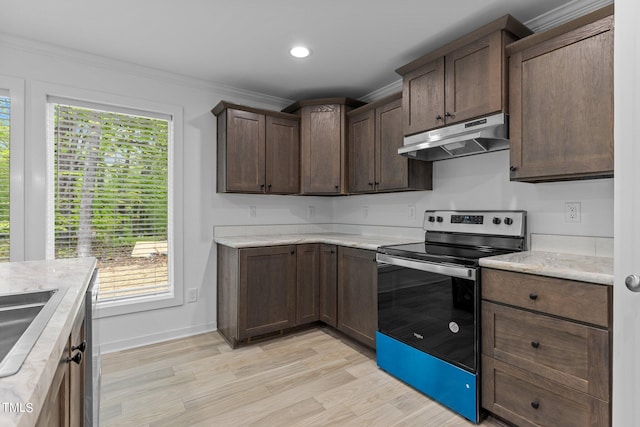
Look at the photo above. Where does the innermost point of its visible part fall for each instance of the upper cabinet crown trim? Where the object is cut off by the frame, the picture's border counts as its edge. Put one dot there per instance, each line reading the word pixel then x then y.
pixel 507 23
pixel 538 38
pixel 223 105
pixel 349 102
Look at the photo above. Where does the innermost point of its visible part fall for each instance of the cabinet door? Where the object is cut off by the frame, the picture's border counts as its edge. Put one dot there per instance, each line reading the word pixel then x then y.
pixel 392 168
pixel 77 373
pixel 282 155
pixel 423 98
pixel 362 153
pixel 308 287
pixel 245 152
pixel 55 410
pixel 329 285
pixel 322 149
pixel 474 76
pixel 357 294
pixel 561 104
pixel 267 290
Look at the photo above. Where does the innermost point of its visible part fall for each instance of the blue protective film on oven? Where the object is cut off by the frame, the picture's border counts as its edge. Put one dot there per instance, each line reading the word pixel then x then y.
pixel 448 384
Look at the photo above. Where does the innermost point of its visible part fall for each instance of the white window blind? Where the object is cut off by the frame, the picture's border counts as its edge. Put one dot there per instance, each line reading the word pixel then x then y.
pixel 5 132
pixel 111 196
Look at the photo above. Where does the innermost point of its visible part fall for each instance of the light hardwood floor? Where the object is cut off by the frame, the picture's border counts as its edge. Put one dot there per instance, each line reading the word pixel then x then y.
pixel 311 378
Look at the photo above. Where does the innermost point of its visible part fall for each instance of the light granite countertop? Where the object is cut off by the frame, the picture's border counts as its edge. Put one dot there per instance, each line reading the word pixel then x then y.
pixel 29 386
pixel 564 266
pixel 370 242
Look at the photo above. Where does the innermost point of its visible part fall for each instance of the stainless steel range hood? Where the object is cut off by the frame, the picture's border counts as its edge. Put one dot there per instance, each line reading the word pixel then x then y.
pixel 476 136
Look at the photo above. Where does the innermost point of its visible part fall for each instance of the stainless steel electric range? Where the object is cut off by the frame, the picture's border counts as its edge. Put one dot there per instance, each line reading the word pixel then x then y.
pixel 429 303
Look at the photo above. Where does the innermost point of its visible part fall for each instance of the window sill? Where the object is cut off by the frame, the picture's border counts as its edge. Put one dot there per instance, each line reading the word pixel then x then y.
pixel 136 304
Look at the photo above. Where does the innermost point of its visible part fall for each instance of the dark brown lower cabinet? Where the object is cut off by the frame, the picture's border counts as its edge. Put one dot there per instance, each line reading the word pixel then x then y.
pixel 63 406
pixel 274 288
pixel 357 294
pixel 266 295
pixel 329 284
pixel 307 284
pixel 256 291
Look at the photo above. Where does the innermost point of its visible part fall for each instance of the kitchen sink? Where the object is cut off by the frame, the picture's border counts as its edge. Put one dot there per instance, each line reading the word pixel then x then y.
pixel 23 316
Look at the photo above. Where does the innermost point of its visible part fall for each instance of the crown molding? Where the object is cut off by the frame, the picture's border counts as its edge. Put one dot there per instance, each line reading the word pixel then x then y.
pixel 564 13
pixel 89 59
pixel 390 89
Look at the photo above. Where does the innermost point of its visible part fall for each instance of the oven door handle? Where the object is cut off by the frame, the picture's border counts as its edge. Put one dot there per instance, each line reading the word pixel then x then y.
pixel 447 270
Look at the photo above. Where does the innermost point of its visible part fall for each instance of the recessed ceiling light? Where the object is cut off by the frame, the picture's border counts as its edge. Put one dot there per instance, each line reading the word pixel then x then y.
pixel 299 52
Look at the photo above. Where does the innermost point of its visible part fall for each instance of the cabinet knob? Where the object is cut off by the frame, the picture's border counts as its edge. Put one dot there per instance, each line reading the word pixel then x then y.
pixel 448 114
pixel 76 358
pixel 535 344
pixel 376 183
pixel 269 186
pixel 438 117
pixel 371 184
pixel 535 404
pixel 533 296
pixel 337 187
pixel 262 186
pixel 513 168
pixel 293 252
pixel 82 347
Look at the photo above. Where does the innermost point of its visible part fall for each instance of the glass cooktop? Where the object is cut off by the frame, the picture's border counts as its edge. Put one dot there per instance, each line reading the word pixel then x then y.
pixel 459 255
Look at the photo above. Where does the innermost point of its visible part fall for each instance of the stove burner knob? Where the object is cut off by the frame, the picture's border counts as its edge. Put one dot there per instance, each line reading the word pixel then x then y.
pixel 439 219
pixel 508 221
pixel 432 219
pixel 496 220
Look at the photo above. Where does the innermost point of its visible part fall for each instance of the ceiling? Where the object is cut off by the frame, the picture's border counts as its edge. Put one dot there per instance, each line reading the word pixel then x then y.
pixel 356 44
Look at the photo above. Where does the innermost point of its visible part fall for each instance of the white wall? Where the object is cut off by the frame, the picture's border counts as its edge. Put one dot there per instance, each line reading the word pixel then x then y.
pixel 203 208
pixel 482 182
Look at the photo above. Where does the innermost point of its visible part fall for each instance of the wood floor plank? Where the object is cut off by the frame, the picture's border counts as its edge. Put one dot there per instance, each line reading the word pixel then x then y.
pixel 315 377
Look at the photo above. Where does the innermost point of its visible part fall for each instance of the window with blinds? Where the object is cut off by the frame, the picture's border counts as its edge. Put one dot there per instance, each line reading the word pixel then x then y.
pixel 5 116
pixel 111 196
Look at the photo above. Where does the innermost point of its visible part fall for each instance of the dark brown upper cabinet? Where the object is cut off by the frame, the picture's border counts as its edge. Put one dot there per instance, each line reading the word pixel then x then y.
pixel 258 150
pixel 323 153
pixel 464 79
pixel 561 101
pixel 375 134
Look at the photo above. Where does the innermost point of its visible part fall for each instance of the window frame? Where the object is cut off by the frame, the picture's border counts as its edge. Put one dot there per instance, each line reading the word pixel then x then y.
pixel 16 88
pixel 43 93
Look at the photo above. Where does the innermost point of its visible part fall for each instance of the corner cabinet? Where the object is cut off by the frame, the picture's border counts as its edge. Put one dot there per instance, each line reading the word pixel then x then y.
pixel 63 406
pixel 546 360
pixel 358 294
pixel 561 101
pixel 258 150
pixel 323 150
pixel 464 79
pixel 267 290
pixel 375 134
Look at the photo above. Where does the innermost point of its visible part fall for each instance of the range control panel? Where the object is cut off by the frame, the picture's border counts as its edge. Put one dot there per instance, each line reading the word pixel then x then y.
pixel 501 223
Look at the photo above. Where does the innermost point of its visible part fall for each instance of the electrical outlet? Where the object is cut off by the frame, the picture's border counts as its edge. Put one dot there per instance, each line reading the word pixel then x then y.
pixel 412 211
pixel 365 211
pixel 252 211
pixel 311 211
pixel 572 212
pixel 192 295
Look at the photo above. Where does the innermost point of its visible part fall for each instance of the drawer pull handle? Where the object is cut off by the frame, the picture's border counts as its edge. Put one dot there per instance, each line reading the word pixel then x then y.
pixel 533 296
pixel 535 404
pixel 535 344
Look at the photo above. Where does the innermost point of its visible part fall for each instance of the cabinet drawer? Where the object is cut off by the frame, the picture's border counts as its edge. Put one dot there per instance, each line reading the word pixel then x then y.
pixel 527 399
pixel 584 302
pixel 569 353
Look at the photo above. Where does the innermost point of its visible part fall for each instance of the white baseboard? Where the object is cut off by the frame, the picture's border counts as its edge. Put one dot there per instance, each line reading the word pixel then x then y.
pixel 129 343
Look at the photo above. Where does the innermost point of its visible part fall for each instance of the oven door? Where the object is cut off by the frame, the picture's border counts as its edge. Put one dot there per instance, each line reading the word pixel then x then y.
pixel 431 307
